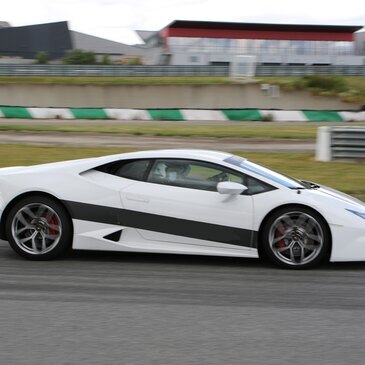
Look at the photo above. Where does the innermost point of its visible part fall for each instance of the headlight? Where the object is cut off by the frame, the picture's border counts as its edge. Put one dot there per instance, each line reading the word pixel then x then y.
pixel 359 214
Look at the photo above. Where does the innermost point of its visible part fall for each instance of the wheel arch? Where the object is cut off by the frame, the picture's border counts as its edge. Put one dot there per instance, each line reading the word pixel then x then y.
pixel 273 211
pixel 19 198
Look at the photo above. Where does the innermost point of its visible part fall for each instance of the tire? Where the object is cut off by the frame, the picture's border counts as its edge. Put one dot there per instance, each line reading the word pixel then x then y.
pixel 296 238
pixel 39 228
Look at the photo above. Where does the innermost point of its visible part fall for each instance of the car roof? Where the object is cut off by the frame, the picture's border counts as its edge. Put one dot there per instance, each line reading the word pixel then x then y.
pixel 178 153
pixel 77 166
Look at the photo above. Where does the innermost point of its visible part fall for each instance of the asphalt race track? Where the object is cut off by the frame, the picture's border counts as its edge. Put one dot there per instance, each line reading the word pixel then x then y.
pixel 107 308
pixel 153 142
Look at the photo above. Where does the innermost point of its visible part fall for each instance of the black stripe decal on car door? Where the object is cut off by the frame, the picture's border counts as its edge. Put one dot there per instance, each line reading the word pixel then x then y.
pixel 162 224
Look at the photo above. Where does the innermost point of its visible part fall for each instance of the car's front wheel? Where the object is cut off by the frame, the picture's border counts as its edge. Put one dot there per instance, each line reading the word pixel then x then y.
pixel 39 228
pixel 296 238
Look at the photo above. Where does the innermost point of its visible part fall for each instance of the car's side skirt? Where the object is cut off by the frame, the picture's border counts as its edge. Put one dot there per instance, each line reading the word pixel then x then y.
pixel 162 224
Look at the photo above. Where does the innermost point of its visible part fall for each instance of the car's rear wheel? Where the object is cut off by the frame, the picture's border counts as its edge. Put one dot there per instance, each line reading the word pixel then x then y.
pixel 296 238
pixel 39 228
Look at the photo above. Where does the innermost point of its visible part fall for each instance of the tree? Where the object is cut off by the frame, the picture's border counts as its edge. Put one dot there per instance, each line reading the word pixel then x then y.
pixel 134 62
pixel 79 57
pixel 41 58
pixel 106 60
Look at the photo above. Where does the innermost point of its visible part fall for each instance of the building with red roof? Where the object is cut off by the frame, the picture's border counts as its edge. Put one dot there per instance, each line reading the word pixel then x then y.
pixel 185 42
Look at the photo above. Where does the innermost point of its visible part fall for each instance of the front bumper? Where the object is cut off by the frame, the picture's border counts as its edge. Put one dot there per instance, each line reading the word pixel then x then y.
pixel 348 243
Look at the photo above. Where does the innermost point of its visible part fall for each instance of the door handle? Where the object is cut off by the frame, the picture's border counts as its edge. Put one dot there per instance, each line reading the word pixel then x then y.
pixel 137 198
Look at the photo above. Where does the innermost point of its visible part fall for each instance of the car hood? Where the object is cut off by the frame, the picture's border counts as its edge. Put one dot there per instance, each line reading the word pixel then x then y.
pixel 340 196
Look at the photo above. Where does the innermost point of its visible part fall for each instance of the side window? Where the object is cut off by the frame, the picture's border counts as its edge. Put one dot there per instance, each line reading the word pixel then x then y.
pixel 191 174
pixel 256 186
pixel 130 169
pixel 201 175
pixel 210 173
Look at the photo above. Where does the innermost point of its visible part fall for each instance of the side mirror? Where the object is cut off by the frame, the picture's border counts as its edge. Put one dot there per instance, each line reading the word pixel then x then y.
pixel 230 188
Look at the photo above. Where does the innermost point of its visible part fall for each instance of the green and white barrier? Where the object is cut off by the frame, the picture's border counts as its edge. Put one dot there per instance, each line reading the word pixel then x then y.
pixel 182 114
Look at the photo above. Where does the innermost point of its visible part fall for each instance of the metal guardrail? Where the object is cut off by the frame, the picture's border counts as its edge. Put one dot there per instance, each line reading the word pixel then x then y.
pixel 341 143
pixel 292 70
pixel 112 70
pixel 348 143
pixel 145 71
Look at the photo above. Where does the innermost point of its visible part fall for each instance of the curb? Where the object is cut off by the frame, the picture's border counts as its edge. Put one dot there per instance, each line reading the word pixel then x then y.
pixel 182 114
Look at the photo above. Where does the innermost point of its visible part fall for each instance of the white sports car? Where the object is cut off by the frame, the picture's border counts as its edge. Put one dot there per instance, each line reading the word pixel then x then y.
pixel 177 201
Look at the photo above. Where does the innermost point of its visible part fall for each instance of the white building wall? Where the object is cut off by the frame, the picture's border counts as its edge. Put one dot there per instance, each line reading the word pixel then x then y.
pixel 349 60
pixel 360 43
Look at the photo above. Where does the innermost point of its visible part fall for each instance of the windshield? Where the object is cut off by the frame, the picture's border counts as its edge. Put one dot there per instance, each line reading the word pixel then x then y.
pixel 286 181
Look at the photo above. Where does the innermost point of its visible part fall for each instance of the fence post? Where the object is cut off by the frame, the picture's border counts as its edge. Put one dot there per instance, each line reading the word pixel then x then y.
pixel 323 147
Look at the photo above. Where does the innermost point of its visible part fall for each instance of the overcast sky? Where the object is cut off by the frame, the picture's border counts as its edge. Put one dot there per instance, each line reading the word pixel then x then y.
pixel 117 19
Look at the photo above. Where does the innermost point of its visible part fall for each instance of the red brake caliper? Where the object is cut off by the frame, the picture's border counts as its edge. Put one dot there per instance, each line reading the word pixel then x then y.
pixel 278 233
pixel 52 220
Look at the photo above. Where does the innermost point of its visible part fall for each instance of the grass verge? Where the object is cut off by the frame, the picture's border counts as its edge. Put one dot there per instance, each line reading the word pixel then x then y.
pixel 348 88
pixel 115 80
pixel 346 177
